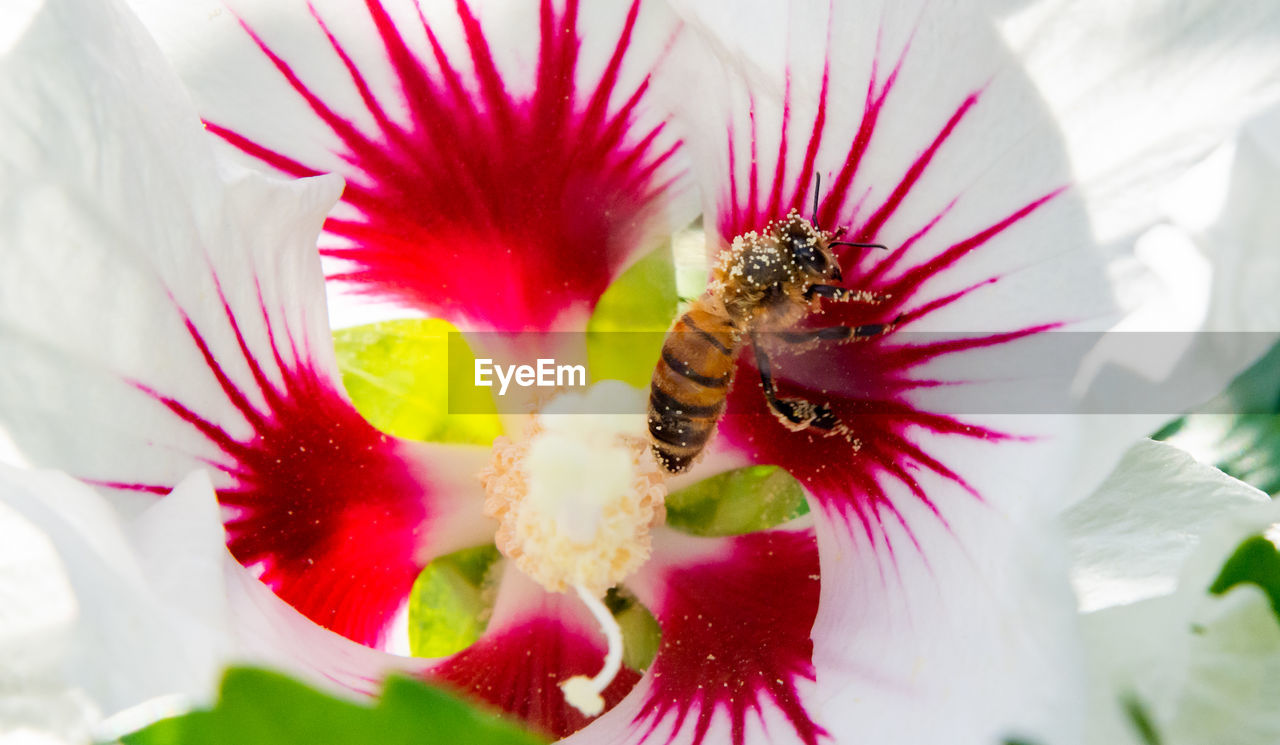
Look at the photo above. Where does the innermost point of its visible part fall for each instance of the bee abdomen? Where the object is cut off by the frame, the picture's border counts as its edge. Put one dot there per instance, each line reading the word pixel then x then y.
pixel 689 386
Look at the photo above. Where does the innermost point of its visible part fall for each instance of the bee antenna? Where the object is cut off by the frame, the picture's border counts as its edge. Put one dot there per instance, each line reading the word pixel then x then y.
pixel 859 245
pixel 817 189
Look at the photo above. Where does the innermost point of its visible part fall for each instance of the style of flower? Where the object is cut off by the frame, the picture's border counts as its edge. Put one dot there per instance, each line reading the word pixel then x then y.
pixel 917 603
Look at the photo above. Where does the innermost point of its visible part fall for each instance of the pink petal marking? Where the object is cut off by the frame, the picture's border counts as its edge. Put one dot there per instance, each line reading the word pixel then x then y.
pixel 735 637
pixel 320 501
pixel 486 206
pixel 519 670
pixel 864 383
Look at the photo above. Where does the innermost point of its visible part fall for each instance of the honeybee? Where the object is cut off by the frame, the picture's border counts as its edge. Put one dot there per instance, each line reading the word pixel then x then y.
pixel 764 282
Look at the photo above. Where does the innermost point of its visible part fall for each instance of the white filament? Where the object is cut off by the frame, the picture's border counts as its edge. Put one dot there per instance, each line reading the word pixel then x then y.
pixel 581 692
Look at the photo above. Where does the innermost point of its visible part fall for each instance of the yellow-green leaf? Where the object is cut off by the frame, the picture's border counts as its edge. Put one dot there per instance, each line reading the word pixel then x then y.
pixel 625 333
pixel 450 602
pixel 736 502
pixel 396 373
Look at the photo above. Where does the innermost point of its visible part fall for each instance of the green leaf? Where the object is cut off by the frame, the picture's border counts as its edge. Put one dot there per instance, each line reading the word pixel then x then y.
pixel 450 602
pixel 1244 442
pixel 641 633
pixel 1256 561
pixel 627 328
pixel 396 373
pixel 260 707
pixel 736 502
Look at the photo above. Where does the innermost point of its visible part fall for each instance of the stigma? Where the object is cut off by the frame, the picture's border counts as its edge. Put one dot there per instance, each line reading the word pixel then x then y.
pixel 576 498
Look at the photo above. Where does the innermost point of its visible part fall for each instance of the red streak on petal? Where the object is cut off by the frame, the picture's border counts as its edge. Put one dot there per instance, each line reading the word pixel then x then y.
pixel 907 285
pixel 266 155
pixel 520 668
pixel 486 206
pixel 775 191
pixel 921 311
pixel 811 150
pixel 319 499
pixel 735 638
pixel 913 174
pixel 917 354
pixel 871 115
pixel 145 488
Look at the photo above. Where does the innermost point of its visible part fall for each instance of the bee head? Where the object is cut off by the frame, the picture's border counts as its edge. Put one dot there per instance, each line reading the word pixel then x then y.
pixel 808 248
pixel 815 259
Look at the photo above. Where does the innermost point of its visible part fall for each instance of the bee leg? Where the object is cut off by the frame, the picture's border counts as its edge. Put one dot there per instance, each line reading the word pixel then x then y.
pixel 842 294
pixel 794 413
pixel 838 333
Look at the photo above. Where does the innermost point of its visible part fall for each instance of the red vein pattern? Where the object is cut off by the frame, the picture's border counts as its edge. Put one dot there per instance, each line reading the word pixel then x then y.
pixel 320 500
pixel 735 632
pixel 520 668
pixel 864 383
pixel 487 207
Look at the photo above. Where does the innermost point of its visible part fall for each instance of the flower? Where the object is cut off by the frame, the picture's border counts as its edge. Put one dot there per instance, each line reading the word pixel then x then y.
pixel 1147 549
pixel 190 333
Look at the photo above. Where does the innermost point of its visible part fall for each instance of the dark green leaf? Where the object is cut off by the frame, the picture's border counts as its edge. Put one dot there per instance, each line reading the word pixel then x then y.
pixel 1256 561
pixel 259 707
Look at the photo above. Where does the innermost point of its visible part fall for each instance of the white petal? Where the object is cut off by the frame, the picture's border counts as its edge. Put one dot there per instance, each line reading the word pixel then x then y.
pixel 37 628
pixel 1130 539
pixel 1240 242
pixel 1144 89
pixel 268 630
pixel 116 223
pixel 1234 237
pixel 17 15
pixel 156 607
pixel 1220 243
pixel 1217 278
pixel 133 637
pixel 37 605
pixel 958 633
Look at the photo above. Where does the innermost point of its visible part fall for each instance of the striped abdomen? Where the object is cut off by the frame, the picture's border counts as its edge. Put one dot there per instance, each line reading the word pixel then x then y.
pixel 689 385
